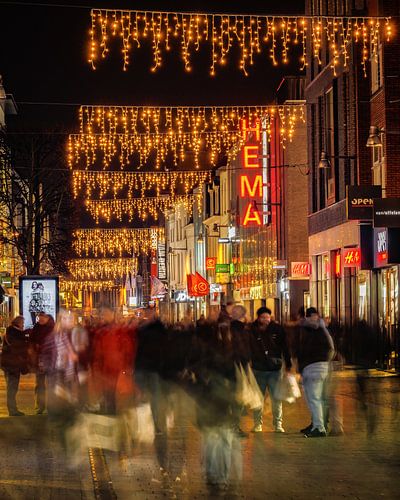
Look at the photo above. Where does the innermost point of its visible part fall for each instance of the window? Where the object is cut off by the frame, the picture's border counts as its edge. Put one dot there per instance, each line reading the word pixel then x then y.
pixel 330 192
pixel 378 166
pixel 376 65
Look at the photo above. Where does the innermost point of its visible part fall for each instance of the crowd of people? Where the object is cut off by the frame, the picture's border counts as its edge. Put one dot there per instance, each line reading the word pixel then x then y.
pixel 104 366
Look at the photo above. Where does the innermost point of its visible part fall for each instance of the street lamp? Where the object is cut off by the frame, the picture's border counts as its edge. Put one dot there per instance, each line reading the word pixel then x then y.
pixel 324 163
pixel 200 238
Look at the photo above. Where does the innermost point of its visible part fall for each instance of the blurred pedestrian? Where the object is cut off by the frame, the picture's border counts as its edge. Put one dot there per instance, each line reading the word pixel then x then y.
pixel 14 361
pixel 269 350
pixel 38 335
pixel 314 351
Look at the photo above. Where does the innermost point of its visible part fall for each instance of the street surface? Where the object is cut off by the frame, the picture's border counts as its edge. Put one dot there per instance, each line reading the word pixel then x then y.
pixel 36 462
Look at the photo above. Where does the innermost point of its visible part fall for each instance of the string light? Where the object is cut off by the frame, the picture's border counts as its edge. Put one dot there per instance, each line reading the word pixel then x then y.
pixel 87 285
pixel 252 34
pixel 119 132
pixel 111 183
pixel 112 242
pixel 138 207
pixel 105 268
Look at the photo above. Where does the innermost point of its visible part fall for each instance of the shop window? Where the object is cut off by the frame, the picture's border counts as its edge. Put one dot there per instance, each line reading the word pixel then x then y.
pixel 363 296
pixel 323 272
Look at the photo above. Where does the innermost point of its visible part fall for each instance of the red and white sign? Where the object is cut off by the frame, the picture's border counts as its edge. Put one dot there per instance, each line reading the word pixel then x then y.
pixel 300 269
pixel 252 184
pixel 351 257
pixel 211 263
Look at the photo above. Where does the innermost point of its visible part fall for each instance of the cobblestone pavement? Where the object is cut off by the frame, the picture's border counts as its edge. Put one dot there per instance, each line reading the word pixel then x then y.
pixel 360 464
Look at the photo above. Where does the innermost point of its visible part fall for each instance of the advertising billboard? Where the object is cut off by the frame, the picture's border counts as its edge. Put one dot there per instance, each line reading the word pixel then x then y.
pixel 38 294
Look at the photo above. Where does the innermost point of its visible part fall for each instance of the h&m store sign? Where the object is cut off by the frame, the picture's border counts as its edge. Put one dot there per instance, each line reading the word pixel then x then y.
pixel 253 176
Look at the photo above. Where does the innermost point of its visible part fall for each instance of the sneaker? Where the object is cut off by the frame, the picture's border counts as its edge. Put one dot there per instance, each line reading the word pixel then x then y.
pixel 315 433
pixel 40 411
pixel 16 413
pixel 279 429
pixel 306 429
pixel 257 428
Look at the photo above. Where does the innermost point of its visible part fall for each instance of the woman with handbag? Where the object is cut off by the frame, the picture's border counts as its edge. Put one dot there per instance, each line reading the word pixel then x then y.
pixel 14 362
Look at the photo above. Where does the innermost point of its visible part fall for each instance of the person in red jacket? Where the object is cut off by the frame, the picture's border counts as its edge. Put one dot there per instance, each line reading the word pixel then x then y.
pixel 114 349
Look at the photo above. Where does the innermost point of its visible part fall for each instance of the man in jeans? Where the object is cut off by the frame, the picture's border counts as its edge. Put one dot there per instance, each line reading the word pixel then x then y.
pixel 269 348
pixel 314 351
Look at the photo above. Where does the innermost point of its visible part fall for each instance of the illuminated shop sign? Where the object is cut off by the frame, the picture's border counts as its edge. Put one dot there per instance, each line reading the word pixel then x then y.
pixel 387 212
pixel 38 294
pixel 351 257
pixel 210 263
pixel 386 246
pixel 162 260
pixel 300 269
pixel 252 179
pixel 360 201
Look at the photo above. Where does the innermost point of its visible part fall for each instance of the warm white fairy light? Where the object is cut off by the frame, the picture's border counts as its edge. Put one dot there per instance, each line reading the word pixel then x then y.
pixel 119 132
pixel 113 242
pixel 101 268
pixel 252 34
pixel 141 208
pixel 107 183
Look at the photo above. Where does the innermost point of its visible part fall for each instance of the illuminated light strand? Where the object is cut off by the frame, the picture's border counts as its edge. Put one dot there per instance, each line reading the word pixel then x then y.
pixel 220 32
pixel 118 132
pixel 111 242
pixel 87 285
pixel 124 147
pixel 138 207
pixel 103 268
pixel 110 182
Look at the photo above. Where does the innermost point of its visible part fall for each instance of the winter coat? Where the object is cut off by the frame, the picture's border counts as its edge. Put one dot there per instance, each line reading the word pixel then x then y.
pixel 14 357
pixel 269 347
pixel 42 347
pixel 240 342
pixel 313 343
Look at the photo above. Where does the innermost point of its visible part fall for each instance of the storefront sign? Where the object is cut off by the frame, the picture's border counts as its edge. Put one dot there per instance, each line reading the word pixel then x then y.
pixel 210 263
pixel 37 294
pixel 351 257
pixel 386 246
pixel 300 269
pixel 162 260
pixel 222 268
pixel 387 212
pixel 181 296
pixel 381 246
pixel 252 186
pixel 360 201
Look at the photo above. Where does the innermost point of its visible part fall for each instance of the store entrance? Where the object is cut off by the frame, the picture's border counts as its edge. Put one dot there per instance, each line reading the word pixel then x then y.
pixel 388 317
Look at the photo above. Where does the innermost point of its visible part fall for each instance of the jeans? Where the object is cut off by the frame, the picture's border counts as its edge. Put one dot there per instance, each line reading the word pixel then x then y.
pixel 269 379
pixel 12 379
pixel 315 378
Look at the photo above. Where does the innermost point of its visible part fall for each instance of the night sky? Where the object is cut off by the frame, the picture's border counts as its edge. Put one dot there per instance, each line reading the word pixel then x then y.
pixel 43 58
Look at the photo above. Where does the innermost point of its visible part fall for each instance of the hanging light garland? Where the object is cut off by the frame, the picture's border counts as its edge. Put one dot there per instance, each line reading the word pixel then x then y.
pixel 138 207
pixel 117 132
pixel 98 242
pixel 252 34
pixel 104 268
pixel 87 285
pixel 111 182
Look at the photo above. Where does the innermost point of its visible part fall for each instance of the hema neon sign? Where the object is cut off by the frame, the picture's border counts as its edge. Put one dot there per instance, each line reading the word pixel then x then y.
pixel 252 179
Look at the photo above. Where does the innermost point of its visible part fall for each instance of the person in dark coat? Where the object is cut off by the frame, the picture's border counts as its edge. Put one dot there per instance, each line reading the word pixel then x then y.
pixel 269 349
pixel 14 362
pixel 39 336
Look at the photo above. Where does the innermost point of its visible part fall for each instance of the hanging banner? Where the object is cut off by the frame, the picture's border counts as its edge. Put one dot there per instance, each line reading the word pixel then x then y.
pixel 161 260
pixel 210 263
pixel 197 285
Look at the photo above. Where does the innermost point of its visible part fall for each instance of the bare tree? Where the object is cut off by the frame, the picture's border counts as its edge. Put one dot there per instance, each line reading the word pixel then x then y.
pixel 36 214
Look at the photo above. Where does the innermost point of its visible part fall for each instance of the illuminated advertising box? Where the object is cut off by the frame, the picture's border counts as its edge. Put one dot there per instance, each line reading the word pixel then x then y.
pixel 38 294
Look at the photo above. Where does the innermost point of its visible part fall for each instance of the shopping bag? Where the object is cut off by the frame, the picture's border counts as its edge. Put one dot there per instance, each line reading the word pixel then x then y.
pixel 142 423
pixel 243 395
pixel 256 400
pixel 287 388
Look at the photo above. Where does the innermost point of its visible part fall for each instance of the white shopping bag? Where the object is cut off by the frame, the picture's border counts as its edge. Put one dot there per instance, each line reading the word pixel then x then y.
pixel 287 388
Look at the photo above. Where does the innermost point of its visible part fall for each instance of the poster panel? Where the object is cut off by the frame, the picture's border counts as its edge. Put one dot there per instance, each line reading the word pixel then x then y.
pixel 37 294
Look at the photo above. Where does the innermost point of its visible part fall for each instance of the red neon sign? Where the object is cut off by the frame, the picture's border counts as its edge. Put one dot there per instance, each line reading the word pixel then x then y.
pixel 250 182
pixel 351 257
